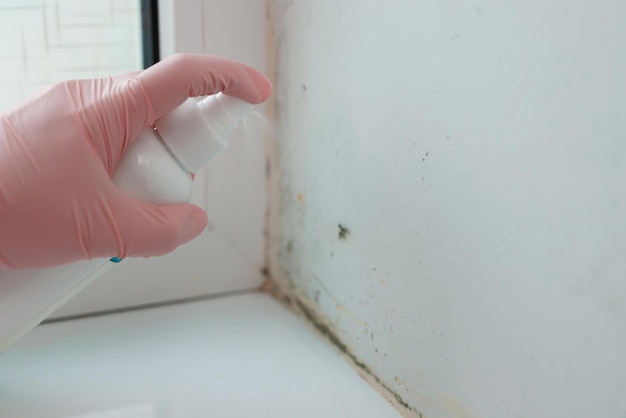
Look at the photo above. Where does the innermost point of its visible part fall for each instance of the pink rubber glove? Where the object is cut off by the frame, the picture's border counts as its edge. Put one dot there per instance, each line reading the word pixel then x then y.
pixel 58 151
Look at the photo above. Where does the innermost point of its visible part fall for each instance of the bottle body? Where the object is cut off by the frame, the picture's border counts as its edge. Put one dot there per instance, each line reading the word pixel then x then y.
pixel 149 172
pixel 156 168
pixel 29 296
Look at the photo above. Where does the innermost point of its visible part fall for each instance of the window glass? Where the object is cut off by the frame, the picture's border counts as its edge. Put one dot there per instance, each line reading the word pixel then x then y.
pixel 45 41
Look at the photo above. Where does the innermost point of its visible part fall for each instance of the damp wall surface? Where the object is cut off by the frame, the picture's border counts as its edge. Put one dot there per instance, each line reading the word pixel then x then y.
pixel 448 198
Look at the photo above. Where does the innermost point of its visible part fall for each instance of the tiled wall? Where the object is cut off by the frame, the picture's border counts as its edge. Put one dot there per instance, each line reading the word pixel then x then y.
pixel 44 41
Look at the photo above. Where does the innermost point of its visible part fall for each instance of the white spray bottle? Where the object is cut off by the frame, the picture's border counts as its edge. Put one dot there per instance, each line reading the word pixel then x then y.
pixel 156 168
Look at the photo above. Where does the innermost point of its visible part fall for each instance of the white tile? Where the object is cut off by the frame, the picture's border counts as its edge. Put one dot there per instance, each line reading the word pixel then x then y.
pixel 84 12
pixel 96 35
pixel 48 74
pixel 50 23
pixel 76 73
pixel 11 93
pixel 11 70
pixel 126 7
pixel 120 56
pixel 32 33
pixel 30 88
pixel 72 57
pixel 37 68
pixel 8 5
pixel 15 27
pixel 230 357
pixel 43 43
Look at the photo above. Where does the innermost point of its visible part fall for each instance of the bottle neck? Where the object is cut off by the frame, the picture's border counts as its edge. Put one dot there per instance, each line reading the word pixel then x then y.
pixel 195 132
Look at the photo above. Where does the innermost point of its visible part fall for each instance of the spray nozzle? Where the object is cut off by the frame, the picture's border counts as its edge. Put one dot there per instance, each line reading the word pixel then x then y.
pixel 224 113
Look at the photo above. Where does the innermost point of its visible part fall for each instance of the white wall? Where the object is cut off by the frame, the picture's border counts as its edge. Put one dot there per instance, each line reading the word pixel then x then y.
pixel 476 152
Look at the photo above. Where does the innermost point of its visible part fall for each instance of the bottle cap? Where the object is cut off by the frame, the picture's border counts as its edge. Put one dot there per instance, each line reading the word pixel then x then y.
pixel 195 132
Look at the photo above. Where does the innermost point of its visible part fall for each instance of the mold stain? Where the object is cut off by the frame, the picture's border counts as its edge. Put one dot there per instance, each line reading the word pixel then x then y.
pixel 326 331
pixel 343 232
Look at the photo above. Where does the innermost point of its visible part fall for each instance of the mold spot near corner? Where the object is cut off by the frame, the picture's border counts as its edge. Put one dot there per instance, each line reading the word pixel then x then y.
pixel 304 87
pixel 343 232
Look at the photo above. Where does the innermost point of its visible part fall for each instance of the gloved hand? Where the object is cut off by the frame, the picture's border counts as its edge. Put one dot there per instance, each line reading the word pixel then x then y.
pixel 59 150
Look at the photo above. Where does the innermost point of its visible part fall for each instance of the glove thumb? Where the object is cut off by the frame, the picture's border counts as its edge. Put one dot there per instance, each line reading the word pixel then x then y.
pixel 149 230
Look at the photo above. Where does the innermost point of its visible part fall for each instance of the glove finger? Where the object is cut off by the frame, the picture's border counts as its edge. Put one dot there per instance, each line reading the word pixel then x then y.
pixel 170 82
